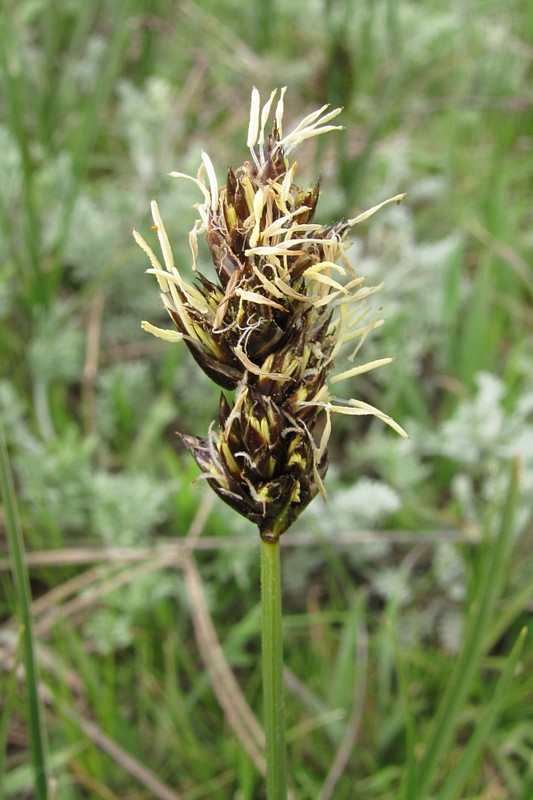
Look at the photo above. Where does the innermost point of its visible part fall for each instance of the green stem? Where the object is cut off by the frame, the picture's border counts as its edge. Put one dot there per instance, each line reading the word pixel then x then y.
pixel 273 670
pixel 23 596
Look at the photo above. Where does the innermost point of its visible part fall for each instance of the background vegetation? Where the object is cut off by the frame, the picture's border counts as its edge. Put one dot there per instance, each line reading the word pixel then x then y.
pixel 405 595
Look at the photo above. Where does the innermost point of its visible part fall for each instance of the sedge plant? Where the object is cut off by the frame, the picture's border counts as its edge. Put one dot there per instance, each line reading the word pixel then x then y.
pixel 269 332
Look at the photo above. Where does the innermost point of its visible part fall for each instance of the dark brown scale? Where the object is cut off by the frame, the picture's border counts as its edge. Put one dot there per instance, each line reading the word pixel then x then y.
pixel 317 331
pixel 224 410
pixel 223 258
pixel 210 290
pixel 275 165
pixel 241 206
pixel 299 264
pixel 226 375
pixel 231 186
pixel 236 242
pixel 310 200
pixel 261 342
pixel 219 364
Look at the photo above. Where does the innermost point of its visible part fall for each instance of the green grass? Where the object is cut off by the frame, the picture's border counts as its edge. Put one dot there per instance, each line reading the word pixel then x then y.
pixel 408 674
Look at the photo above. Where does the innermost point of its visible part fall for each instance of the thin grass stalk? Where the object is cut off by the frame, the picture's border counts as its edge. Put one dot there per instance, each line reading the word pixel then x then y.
pixel 8 702
pixel 489 589
pixel 272 647
pixel 458 776
pixel 23 597
pixel 409 774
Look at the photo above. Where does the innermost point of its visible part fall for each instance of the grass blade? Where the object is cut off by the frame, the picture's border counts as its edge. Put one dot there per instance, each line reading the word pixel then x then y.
pixel 409 773
pixel 23 597
pixel 5 716
pixel 484 726
pixel 488 592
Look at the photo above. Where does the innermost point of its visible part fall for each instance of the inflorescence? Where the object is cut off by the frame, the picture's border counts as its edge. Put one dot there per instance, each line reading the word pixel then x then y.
pixel 269 331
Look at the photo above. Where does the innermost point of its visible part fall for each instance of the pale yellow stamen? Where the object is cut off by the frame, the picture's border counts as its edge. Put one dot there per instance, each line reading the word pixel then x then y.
pixel 264 118
pixel 357 408
pixel 311 125
pixel 213 183
pixel 290 292
pixel 267 283
pixel 251 367
pixel 279 111
pixel 158 269
pixel 193 242
pixel 201 185
pixel 253 125
pixel 163 238
pixel 361 369
pixel 369 212
pixel 255 297
pixel 280 225
pixel 286 184
pixel 259 203
pixel 161 333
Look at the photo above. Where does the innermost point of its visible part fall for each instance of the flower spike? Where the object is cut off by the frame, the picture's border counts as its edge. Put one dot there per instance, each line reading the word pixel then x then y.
pixel 272 325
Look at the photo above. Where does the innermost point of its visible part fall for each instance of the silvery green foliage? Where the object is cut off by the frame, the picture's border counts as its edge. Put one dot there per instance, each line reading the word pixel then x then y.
pixel 482 436
pixel 86 68
pixel 365 504
pixel 361 507
pixel 109 630
pixel 103 214
pixel 399 460
pixel 474 434
pixel 450 570
pixel 51 178
pixel 64 490
pixel 155 112
pixel 391 583
pixel 125 392
pixel 99 246
pixel 112 627
pixel 55 477
pixel 146 114
pixel 97 237
pixel 441 617
pixel 10 171
pixel 438 621
pixel 418 278
pixel 51 184
pixel 450 627
pixel 56 351
pixel 13 411
pixel 127 507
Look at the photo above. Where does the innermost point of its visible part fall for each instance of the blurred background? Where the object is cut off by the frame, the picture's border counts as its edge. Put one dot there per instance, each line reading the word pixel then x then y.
pixel 99 102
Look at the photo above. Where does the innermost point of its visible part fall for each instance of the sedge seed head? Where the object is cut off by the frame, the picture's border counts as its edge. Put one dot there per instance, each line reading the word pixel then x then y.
pixel 271 326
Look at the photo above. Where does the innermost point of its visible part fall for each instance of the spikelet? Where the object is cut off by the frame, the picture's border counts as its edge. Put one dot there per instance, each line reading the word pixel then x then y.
pixel 285 303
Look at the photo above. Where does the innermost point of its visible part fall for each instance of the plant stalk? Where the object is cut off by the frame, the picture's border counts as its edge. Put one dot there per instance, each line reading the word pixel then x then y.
pixel 272 644
pixel 23 597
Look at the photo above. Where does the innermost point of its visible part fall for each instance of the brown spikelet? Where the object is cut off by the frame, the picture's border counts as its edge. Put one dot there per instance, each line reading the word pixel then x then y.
pixel 269 330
